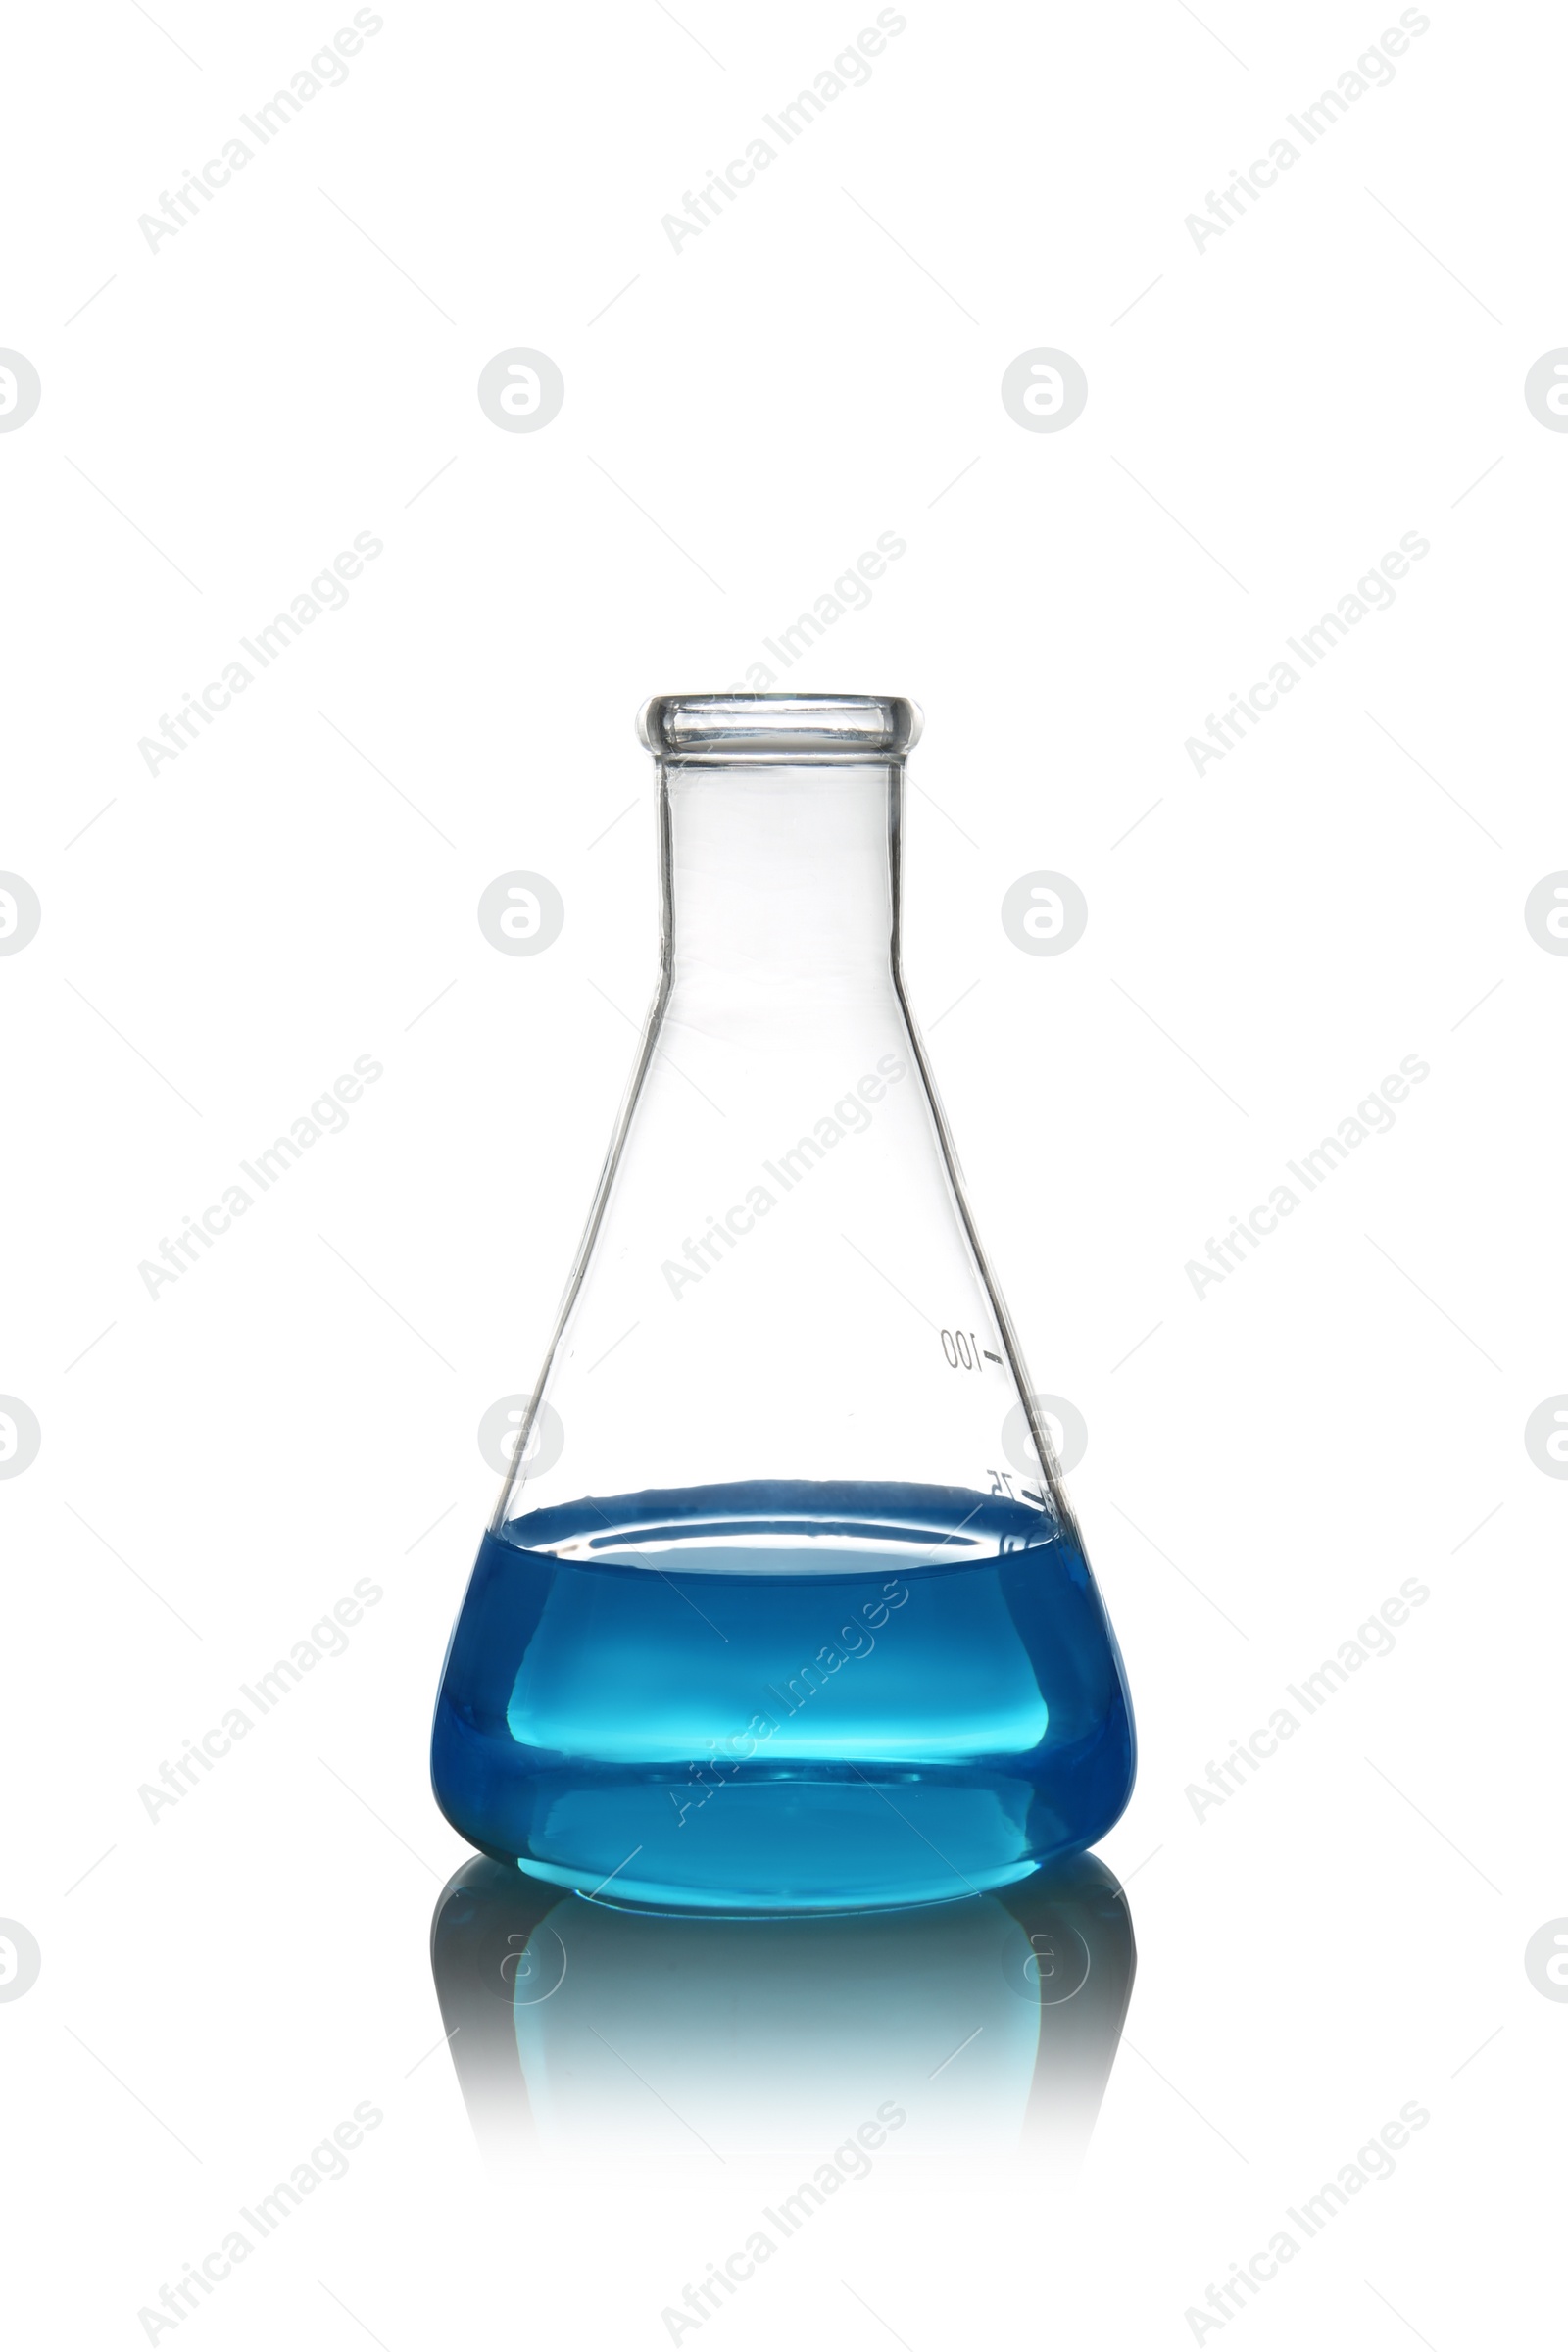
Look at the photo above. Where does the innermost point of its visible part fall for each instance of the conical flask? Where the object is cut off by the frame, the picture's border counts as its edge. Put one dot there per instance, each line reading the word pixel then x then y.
pixel 782 1606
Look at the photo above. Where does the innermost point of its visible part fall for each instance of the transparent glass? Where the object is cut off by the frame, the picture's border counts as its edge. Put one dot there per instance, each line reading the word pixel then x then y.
pixel 783 1606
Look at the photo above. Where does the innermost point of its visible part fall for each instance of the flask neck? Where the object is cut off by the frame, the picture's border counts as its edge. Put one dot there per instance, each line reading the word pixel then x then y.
pixel 782 880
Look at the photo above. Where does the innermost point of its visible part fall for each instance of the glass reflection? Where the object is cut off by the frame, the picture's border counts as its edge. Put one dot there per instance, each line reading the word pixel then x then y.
pixel 576 2025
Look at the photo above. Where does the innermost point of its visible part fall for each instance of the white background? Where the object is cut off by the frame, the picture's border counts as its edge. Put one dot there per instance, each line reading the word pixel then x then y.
pixel 298 364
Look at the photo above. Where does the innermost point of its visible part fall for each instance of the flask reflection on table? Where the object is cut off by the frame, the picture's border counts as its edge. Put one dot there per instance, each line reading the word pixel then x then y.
pixel 578 2028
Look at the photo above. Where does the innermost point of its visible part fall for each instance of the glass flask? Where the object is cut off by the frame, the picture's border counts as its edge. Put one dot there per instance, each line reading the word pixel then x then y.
pixel 782 1608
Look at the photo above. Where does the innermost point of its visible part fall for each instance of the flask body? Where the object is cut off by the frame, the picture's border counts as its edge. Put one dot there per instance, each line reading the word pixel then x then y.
pixel 931 1716
pixel 783 1607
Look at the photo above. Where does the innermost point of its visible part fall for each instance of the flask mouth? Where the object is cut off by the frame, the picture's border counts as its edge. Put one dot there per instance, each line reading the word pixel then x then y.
pixel 795 730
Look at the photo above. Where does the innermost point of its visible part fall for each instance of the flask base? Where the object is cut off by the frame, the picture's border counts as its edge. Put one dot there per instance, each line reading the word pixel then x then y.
pixel 847 1841
pixel 775 1696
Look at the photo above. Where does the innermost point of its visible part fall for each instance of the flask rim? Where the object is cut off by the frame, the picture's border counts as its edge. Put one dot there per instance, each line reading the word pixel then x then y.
pixel 795 730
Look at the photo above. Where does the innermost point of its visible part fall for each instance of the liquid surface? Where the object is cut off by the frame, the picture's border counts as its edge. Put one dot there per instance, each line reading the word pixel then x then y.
pixel 783 1695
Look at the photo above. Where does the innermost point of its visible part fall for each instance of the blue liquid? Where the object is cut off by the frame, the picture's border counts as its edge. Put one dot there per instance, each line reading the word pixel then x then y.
pixel 783 1697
